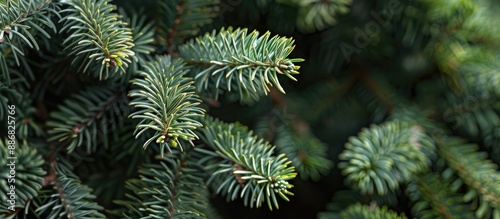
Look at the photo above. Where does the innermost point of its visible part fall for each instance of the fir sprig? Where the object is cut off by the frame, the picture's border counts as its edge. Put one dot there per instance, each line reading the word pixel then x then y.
pixel 248 168
pixel 167 103
pixel 20 23
pixel 79 119
pixel 382 157
pixel 472 167
pixel 172 187
pixel 235 60
pixel 70 199
pixel 307 153
pixel 23 170
pixel 98 39
pixel 182 19
pixel 435 199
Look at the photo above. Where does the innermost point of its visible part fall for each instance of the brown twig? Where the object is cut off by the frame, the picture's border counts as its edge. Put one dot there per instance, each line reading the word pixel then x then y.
pixel 172 199
pixel 77 127
pixel 51 176
pixel 237 176
pixel 172 32
pixel 443 209
pixel 51 179
pixel 375 89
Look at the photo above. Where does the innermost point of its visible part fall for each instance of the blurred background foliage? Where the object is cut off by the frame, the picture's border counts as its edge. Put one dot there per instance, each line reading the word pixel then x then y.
pixel 395 112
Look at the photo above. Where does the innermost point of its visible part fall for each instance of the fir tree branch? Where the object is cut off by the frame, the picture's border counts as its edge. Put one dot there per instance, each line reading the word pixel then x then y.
pixel 71 199
pixel 167 103
pixel 293 137
pixel 51 176
pixel 234 60
pixel 99 40
pixel 143 35
pixel 182 19
pixel 81 116
pixel 246 167
pixel 384 156
pixel 435 199
pixel 27 127
pixel 57 185
pixel 172 188
pixel 472 168
pixel 24 20
pixel 21 172
pixel 168 96
pixel 308 154
pixel 20 16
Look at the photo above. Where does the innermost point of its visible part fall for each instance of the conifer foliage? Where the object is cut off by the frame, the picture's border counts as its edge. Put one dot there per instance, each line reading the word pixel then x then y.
pixel 182 108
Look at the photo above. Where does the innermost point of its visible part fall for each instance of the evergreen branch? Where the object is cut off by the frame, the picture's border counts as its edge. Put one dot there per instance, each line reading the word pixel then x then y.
pixel 434 199
pixel 247 168
pixel 472 167
pixel 234 60
pixel 27 126
pixel 167 103
pixel 477 114
pixel 181 19
pixel 293 138
pixel 81 117
pixel 384 156
pixel 169 96
pixel 308 154
pixel 479 70
pixel 14 91
pixel 20 22
pixel 143 35
pixel 449 45
pixel 71 199
pixel 4 67
pixel 172 188
pixel 22 15
pixel 98 39
pixel 465 48
pixel 481 27
pixel 357 211
pixel 21 175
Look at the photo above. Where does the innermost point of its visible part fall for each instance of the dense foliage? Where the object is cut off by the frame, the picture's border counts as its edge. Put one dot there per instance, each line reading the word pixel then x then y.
pixel 249 109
